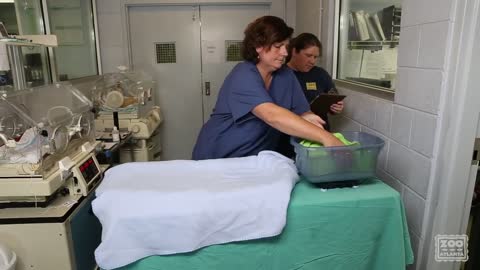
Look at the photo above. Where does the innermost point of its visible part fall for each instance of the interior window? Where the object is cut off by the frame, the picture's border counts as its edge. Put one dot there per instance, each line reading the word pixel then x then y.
pixel 368 38
pixel 72 22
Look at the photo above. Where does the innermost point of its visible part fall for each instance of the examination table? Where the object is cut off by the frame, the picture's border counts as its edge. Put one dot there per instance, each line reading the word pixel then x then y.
pixel 343 228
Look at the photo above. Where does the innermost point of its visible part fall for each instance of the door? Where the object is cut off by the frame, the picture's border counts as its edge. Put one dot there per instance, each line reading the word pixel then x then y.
pixel 222 33
pixel 165 42
pixel 183 47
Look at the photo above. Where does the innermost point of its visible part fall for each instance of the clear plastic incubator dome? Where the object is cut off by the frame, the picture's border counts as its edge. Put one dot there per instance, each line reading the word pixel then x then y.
pixel 41 125
pixel 128 92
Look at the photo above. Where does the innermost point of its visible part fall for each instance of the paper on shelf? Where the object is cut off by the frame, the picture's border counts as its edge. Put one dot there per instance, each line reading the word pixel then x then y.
pixel 351 64
pixel 377 64
pixel 372 67
pixel 390 60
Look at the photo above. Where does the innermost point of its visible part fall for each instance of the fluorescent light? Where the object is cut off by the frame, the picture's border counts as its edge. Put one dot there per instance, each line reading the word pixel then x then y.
pixel 7 1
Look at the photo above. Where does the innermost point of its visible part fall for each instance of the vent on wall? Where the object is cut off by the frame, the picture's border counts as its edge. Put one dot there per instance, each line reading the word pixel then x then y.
pixel 165 52
pixel 232 50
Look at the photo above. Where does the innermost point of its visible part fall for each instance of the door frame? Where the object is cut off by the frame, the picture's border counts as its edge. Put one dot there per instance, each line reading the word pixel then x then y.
pixel 448 208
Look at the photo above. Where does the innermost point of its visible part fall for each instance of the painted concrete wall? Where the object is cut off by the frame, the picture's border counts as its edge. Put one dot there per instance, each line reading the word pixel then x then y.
pixel 409 123
pixel 308 15
pixel 308 19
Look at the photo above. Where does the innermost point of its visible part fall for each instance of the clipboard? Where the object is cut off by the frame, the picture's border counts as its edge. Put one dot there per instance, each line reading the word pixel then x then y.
pixel 321 104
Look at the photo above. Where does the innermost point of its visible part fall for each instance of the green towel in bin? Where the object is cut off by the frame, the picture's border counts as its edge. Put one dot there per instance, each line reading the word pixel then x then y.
pixel 339 136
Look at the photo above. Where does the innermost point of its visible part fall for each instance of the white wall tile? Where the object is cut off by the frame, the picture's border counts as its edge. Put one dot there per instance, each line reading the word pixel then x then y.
pixel 345 91
pixel 423 133
pixel 367 113
pixel 350 103
pixel 415 208
pixel 391 181
pixel 340 123
pixel 422 60
pixel 416 12
pixel 382 156
pixel 110 30
pixel 434 10
pixel 383 117
pixel 409 46
pixel 411 168
pixel 362 109
pixel 419 89
pixel 401 124
pixel 410 13
pixel 433 44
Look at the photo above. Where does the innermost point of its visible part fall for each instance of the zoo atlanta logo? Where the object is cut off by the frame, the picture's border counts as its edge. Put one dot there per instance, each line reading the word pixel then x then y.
pixel 450 248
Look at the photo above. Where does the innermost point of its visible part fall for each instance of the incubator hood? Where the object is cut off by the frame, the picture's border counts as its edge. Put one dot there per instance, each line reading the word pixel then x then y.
pixel 130 93
pixel 42 129
pixel 125 99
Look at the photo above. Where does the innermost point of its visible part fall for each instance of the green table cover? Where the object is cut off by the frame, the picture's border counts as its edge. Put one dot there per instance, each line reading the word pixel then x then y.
pixel 344 228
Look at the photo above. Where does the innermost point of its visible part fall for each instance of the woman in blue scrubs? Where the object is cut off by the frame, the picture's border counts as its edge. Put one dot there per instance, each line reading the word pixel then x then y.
pixel 260 99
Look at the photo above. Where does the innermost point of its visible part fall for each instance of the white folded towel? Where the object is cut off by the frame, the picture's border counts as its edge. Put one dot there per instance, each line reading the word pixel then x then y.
pixel 167 207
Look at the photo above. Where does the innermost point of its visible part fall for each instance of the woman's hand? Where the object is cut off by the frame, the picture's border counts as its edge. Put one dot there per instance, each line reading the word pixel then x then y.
pixel 337 107
pixel 332 141
pixel 295 125
pixel 314 119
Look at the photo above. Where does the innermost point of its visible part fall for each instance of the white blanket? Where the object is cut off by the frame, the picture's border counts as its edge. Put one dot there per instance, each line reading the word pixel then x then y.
pixel 168 207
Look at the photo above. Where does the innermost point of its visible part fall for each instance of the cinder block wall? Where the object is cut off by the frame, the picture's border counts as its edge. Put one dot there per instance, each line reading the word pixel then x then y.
pixel 408 124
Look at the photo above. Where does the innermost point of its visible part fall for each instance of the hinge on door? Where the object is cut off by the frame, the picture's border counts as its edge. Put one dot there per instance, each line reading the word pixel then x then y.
pixel 194 13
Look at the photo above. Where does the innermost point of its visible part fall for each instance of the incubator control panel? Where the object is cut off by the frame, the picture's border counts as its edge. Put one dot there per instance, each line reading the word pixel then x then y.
pixel 89 170
pixel 86 176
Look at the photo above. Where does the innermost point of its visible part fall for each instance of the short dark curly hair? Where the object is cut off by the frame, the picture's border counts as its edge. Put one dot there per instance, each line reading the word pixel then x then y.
pixel 263 32
pixel 301 42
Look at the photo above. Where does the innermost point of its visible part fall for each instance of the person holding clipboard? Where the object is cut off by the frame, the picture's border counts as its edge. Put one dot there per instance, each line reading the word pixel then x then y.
pixel 304 51
pixel 316 83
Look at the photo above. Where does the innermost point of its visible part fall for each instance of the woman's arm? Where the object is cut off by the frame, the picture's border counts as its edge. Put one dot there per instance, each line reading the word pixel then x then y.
pixel 294 125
